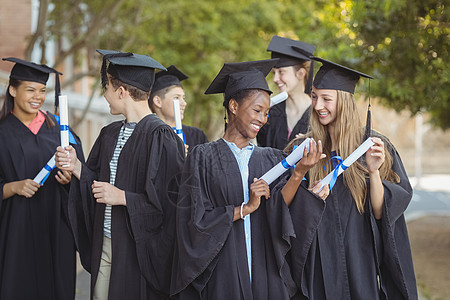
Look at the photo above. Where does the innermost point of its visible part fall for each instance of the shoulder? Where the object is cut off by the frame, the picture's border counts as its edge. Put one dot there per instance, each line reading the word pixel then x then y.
pixel 269 153
pixel 278 110
pixel 192 129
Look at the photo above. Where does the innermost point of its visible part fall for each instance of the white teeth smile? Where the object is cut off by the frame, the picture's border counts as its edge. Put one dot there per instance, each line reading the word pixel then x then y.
pixel 256 127
pixel 35 103
pixel 323 114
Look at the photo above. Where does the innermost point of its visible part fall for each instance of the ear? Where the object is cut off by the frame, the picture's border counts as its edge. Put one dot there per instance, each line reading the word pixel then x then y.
pixel 301 73
pixel 157 102
pixel 233 106
pixel 12 91
pixel 122 92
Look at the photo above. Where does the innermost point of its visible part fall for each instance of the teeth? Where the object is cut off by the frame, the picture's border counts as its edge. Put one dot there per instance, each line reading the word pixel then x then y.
pixel 256 126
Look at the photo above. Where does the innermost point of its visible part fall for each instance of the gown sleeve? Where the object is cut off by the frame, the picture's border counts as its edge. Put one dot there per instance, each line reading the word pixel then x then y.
pixel 82 204
pixel 391 238
pixel 202 229
pixel 152 212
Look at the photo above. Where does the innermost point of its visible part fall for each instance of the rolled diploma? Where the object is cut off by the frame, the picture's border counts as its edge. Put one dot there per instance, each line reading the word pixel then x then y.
pixel 349 160
pixel 177 114
pixel 291 160
pixel 278 98
pixel 64 121
pixel 45 170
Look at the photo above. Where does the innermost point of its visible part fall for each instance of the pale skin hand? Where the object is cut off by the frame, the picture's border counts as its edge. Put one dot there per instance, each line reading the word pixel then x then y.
pixel 258 189
pixel 302 167
pixel 107 193
pixel 374 159
pixel 26 188
pixel 66 160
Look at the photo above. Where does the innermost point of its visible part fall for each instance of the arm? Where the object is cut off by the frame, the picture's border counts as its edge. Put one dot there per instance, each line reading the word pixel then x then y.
pixel 26 188
pixel 374 159
pixel 302 167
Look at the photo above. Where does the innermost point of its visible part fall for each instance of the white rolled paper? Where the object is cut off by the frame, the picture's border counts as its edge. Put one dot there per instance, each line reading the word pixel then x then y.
pixel 286 163
pixel 64 120
pixel 178 124
pixel 278 98
pixel 354 156
pixel 45 170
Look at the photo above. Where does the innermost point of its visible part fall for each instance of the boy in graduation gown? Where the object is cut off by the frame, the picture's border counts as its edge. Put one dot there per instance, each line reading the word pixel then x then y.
pixel 292 74
pixel 122 201
pixel 354 244
pixel 167 88
pixel 37 249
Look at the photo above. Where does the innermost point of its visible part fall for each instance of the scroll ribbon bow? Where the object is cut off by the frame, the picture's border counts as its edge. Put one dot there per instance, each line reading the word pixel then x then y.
pixel 336 170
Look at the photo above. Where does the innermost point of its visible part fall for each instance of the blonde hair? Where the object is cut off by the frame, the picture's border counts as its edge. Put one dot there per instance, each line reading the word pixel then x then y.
pixel 349 135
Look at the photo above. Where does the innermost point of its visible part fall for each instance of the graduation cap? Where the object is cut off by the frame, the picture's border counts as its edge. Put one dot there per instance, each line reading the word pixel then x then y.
pixel 29 71
pixel 235 77
pixel 164 79
pixel 290 53
pixel 333 76
pixel 134 69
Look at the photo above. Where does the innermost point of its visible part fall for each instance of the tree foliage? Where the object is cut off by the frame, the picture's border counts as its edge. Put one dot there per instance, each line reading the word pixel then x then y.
pixel 403 43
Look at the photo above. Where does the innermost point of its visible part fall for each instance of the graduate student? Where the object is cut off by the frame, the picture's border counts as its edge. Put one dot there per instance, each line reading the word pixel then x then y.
pixel 167 88
pixel 233 230
pixel 122 200
pixel 353 245
pixel 37 249
pixel 292 74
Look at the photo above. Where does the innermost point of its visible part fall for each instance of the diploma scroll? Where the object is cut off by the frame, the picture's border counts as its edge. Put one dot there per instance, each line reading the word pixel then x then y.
pixel 178 124
pixel 354 156
pixel 286 163
pixel 43 174
pixel 64 121
pixel 278 98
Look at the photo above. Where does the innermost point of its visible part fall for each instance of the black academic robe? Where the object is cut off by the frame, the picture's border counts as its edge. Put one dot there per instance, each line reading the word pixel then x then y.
pixel 339 252
pixel 37 249
pixel 210 259
pixel 194 136
pixel 275 132
pixel 148 171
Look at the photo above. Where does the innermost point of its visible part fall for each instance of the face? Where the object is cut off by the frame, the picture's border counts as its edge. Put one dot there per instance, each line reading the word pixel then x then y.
pixel 28 97
pixel 175 93
pixel 112 96
pixel 324 103
pixel 251 114
pixel 287 79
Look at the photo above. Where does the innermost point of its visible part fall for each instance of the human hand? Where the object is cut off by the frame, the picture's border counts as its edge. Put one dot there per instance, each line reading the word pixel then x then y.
pixel 258 189
pixel 321 193
pixel 63 177
pixel 309 159
pixel 107 193
pixel 375 155
pixel 26 188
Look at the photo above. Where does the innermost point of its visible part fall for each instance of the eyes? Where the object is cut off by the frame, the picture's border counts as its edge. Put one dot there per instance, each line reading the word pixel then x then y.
pixel 259 111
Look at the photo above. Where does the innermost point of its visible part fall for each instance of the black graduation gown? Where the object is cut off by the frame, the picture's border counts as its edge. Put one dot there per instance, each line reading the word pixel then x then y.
pixel 37 249
pixel 210 259
pixel 194 136
pixel 275 133
pixel 338 252
pixel 148 170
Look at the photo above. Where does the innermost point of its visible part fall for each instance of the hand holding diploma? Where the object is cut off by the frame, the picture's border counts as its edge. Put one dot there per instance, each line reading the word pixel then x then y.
pixel 64 120
pixel 286 163
pixel 354 156
pixel 66 160
pixel 178 124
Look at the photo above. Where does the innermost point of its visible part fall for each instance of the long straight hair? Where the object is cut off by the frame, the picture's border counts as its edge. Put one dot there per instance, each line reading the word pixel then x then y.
pixel 8 103
pixel 349 135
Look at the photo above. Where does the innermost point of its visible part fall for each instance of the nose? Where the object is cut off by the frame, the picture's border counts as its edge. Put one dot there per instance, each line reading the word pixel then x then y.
pixel 318 103
pixel 276 77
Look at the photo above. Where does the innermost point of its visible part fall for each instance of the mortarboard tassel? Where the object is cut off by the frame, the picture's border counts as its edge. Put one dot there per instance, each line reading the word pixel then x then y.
pixel 57 92
pixel 104 64
pixel 369 119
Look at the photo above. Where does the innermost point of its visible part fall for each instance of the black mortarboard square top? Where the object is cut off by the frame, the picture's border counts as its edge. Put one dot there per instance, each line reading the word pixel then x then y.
pixel 134 69
pixel 235 77
pixel 290 52
pixel 29 71
pixel 332 76
pixel 164 79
